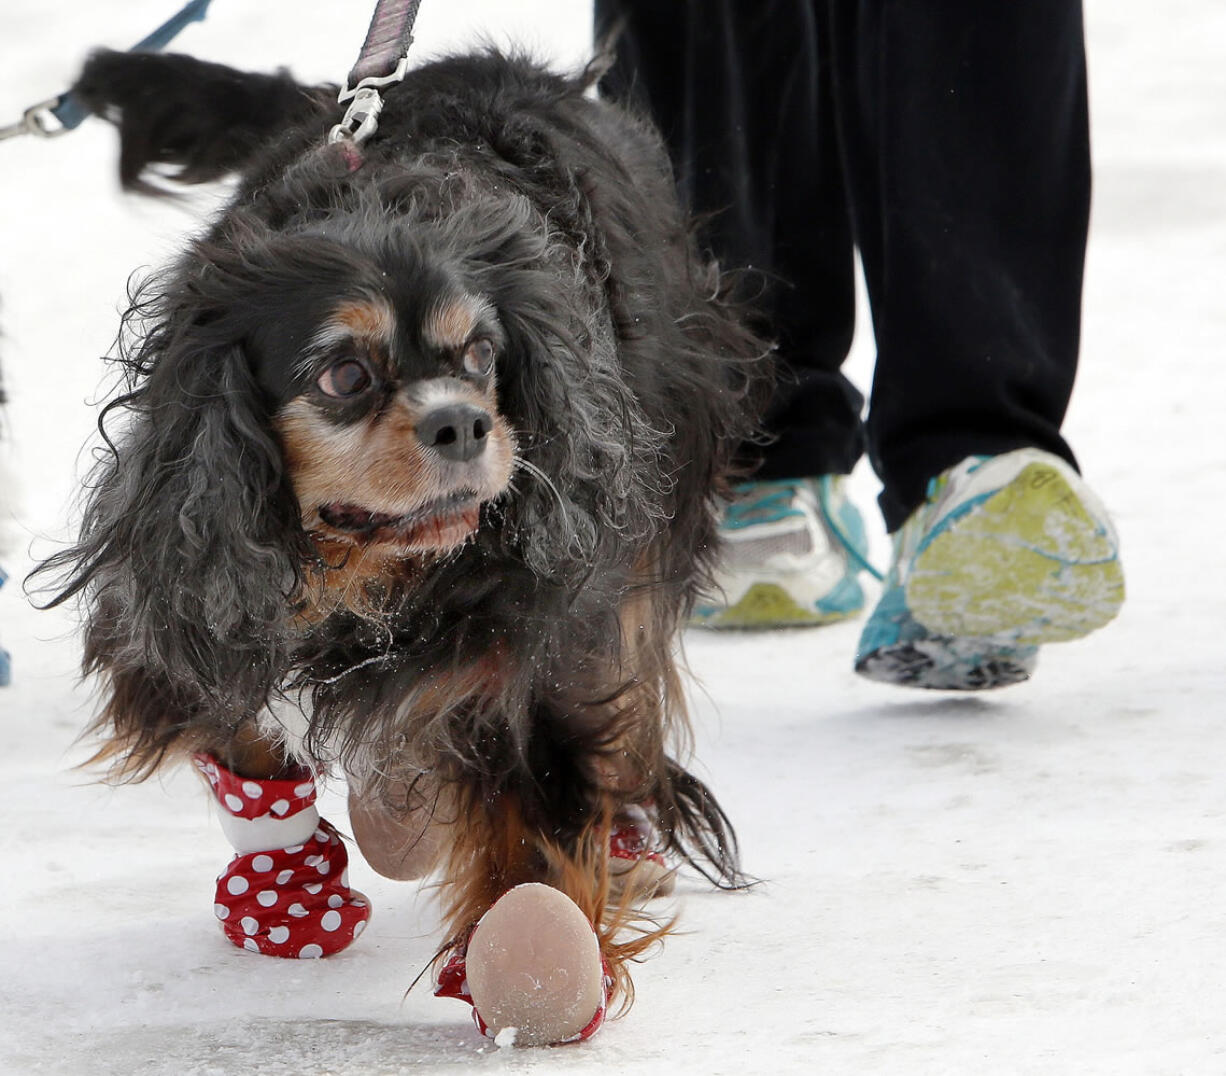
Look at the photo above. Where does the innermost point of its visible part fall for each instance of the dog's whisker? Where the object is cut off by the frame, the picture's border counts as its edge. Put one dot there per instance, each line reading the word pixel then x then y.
pixel 548 482
pixel 375 660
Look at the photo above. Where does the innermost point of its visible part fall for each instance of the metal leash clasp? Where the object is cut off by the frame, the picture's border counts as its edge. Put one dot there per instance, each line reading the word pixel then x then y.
pixel 39 119
pixel 59 115
pixel 365 103
pixel 361 117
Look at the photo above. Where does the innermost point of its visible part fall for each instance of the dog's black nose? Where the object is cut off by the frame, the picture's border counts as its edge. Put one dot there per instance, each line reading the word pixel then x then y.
pixel 455 431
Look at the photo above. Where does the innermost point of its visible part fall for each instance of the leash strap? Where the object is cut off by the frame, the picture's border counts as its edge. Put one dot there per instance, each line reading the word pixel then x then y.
pixel 383 61
pixel 386 45
pixel 59 115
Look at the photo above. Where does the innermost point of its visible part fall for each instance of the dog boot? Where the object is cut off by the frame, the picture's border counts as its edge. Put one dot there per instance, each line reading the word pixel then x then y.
pixel 286 891
pixel 531 970
pixel 633 858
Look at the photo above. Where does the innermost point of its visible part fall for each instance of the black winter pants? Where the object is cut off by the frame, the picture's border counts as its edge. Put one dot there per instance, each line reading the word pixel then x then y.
pixel 948 141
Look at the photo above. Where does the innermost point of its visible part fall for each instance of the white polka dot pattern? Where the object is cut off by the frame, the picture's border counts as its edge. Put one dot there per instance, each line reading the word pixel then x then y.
pixel 294 917
pixel 245 798
pixel 289 902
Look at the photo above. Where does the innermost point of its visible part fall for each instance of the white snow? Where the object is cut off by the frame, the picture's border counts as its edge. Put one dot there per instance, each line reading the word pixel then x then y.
pixel 1028 881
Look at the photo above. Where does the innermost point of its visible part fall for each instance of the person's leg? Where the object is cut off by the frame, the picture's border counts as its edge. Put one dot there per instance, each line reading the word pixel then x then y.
pixel 739 93
pixel 965 137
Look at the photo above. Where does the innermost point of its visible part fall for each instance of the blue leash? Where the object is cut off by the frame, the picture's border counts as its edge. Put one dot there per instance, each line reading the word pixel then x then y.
pixel 61 114
pixel 64 113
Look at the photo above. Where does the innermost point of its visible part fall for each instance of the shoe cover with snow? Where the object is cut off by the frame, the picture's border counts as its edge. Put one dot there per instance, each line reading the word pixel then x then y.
pixel 531 970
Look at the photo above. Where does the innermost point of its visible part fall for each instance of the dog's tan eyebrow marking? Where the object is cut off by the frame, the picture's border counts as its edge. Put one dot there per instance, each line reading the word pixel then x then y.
pixel 451 322
pixel 368 320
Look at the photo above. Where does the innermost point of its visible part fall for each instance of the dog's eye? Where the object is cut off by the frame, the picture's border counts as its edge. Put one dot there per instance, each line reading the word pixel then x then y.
pixel 479 357
pixel 343 379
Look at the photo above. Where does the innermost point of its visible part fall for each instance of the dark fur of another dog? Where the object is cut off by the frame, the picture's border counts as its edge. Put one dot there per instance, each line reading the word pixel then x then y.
pixel 288 555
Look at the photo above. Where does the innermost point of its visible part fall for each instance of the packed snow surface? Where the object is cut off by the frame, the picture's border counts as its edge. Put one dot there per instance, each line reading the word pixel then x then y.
pixel 1027 881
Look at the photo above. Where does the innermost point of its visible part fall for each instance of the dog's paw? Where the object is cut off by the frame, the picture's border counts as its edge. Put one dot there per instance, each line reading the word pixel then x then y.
pixel 532 970
pixel 292 902
pixel 286 892
pixel 638 871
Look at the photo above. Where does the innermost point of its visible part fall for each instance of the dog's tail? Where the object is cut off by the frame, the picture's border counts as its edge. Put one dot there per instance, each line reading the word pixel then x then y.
pixel 204 119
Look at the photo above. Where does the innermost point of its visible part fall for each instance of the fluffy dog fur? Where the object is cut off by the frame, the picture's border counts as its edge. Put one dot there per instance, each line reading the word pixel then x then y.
pixel 275 564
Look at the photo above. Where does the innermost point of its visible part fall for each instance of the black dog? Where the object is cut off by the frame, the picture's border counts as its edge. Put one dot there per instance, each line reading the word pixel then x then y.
pixel 418 471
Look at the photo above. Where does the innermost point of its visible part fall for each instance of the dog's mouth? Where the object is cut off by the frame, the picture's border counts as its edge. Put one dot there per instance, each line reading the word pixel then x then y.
pixel 439 525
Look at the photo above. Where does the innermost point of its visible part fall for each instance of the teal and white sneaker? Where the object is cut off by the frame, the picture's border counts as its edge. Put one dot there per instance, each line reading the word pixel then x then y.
pixel 1006 553
pixel 792 552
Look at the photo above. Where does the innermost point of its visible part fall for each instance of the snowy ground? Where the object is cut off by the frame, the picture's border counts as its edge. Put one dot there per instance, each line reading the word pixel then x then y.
pixel 1029 881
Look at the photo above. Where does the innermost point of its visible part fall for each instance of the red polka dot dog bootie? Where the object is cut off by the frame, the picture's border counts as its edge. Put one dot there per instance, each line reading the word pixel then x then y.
pixel 633 858
pixel 286 891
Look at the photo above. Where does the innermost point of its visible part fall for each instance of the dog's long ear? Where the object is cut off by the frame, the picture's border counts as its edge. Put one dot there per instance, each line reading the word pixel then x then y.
pixel 187 560
pixel 590 488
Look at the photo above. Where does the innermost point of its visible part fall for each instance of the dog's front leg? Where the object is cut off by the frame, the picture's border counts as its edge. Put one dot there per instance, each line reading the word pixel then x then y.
pixel 286 891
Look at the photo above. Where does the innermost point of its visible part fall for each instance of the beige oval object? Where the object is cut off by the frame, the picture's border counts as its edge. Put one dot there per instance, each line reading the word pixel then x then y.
pixel 533 964
pixel 401 847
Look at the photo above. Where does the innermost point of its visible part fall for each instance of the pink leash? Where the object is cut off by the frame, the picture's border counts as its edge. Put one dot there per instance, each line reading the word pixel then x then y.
pixel 382 62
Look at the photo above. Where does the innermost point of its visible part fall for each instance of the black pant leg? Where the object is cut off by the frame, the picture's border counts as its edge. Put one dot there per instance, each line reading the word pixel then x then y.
pixel 965 135
pixel 741 93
